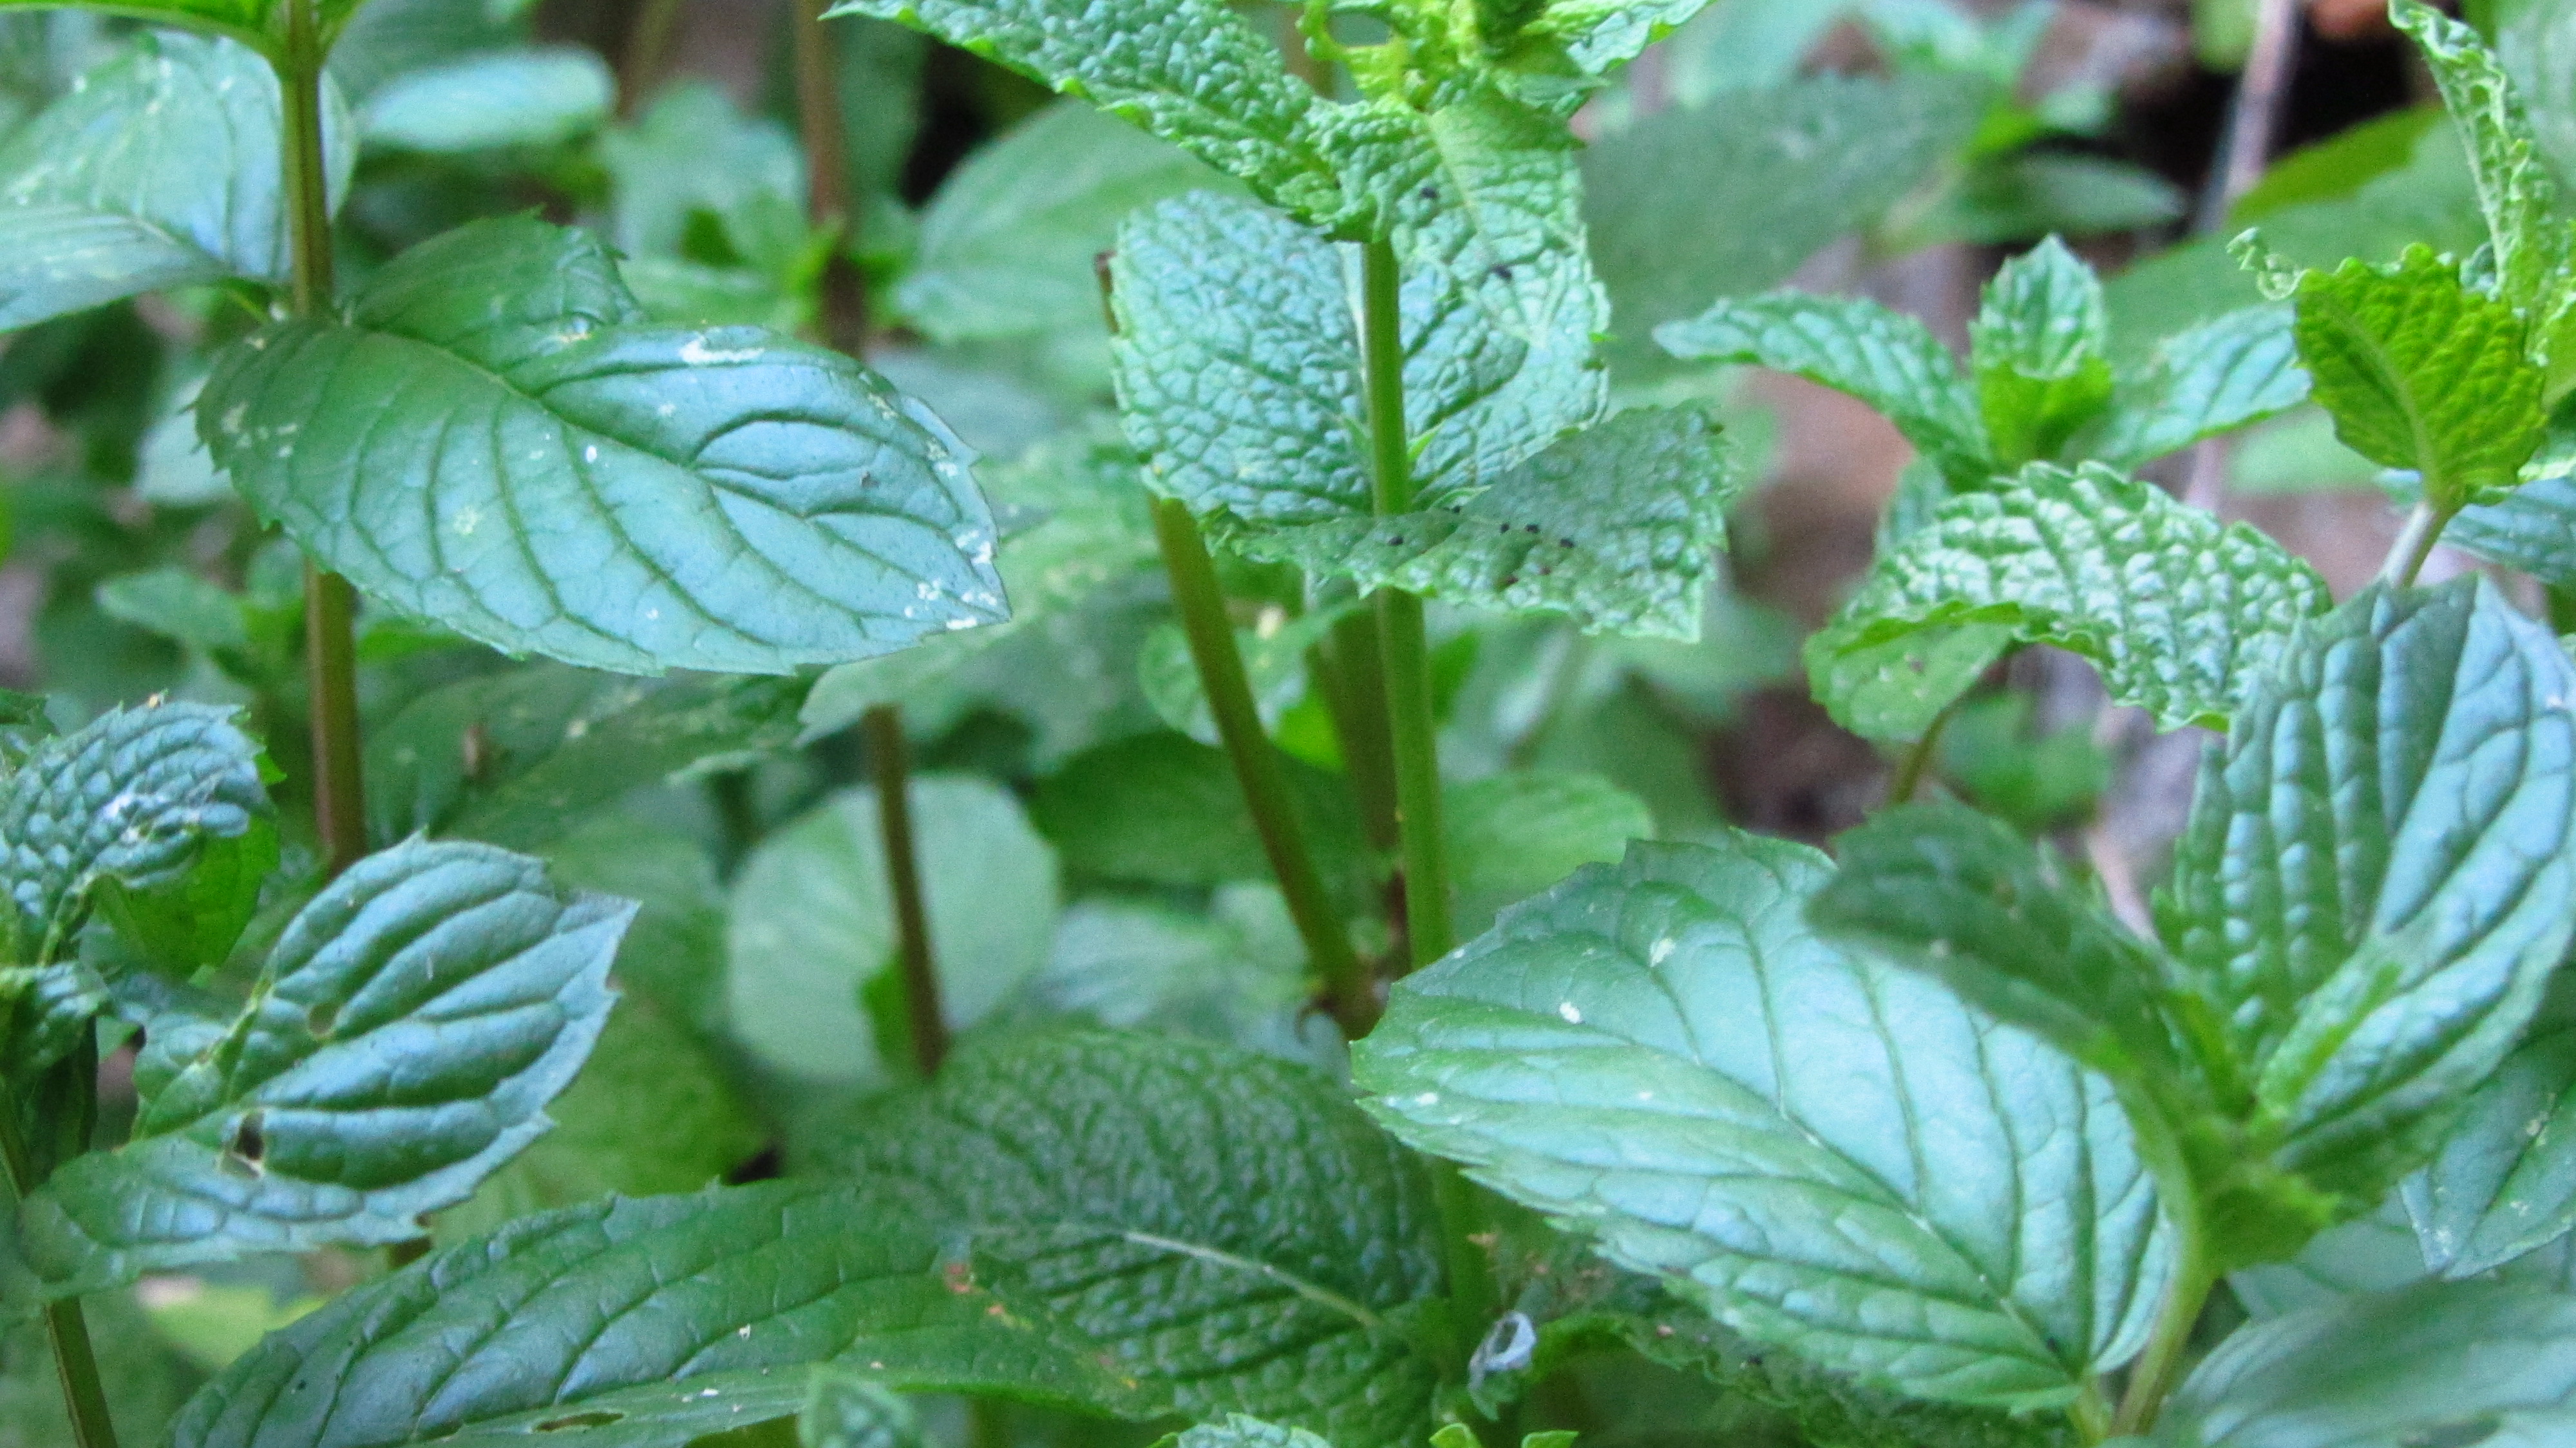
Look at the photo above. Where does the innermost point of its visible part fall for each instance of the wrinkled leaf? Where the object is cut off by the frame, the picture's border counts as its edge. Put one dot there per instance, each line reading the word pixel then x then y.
pixel 2503 1183
pixel 2533 239
pixel 2038 349
pixel 2217 377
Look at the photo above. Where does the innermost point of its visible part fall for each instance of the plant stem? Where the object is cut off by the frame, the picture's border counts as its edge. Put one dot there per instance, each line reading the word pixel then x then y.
pixel 2091 1414
pixel 330 604
pixel 66 1330
pixel 890 755
pixel 1357 699
pixel 2414 545
pixel 1347 991
pixel 2161 1364
pixel 1472 1299
pixel 1917 763
pixel 647 52
pixel 1407 654
pixel 844 293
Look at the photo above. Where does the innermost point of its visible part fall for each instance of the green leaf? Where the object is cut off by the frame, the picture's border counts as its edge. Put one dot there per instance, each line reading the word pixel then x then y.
pixel 2446 1363
pixel 673 955
pixel 1191 71
pixel 402 1043
pixel 813 924
pixel 846 1409
pixel 1513 835
pixel 1098 1182
pixel 1718 199
pixel 2532 238
pixel 1007 244
pixel 2503 1184
pixel 694 166
pixel 1164 809
pixel 2180 611
pixel 2038 348
pixel 1835 1158
pixel 2421 372
pixel 727 500
pixel 2532 528
pixel 637 1324
pixel 145 1381
pixel 2217 377
pixel 524 757
pixel 1235 975
pixel 177 605
pixel 537 97
pixel 136 797
pixel 1274 663
pixel 1887 359
pixel 651 1112
pixel 1895 690
pixel 1236 1430
pixel 160 170
pixel 2376 880
pixel 1616 526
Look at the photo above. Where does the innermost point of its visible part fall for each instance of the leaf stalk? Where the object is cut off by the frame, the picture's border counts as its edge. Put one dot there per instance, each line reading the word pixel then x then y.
pixel 842 297
pixel 1405 651
pixel 1348 992
pixel 890 757
pixel 2160 1366
pixel 2414 545
pixel 66 1329
pixel 330 604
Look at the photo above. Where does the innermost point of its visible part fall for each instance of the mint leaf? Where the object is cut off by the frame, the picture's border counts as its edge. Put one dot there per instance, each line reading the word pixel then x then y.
pixel 159 170
pixel 1098 1182
pixel 1887 359
pixel 1661 1055
pixel 2503 1184
pixel 638 1324
pixel 1236 1430
pixel 1615 526
pixel 401 1043
pixel 137 797
pixel 2533 241
pixel 2421 372
pixel 2223 374
pixel 1512 835
pixel 847 1409
pixel 1163 809
pixel 2466 1362
pixel 2039 350
pixel 2376 880
pixel 2532 529
pixel 813 926
pixel 538 96
pixel 1191 71
pixel 1897 688
pixel 2178 610
pixel 727 500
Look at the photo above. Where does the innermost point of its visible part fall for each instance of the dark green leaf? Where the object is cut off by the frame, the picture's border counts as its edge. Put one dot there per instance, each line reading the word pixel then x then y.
pixel 1235 975
pixel 1834 1157
pixel 813 924
pixel 2039 350
pixel 1513 835
pixel 135 797
pixel 1238 1431
pixel 1884 358
pixel 1100 1183
pixel 1615 526
pixel 2180 611
pixel 2445 1363
pixel 401 1044
pixel 637 1324
pixel 1164 809
pixel 728 500
pixel 848 1409
pixel 2215 378
pixel 2504 1182
pixel 536 97
pixel 160 170
pixel 2421 372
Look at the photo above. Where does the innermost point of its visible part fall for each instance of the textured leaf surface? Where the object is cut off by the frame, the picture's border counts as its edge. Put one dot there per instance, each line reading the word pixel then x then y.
pixel 2503 1183
pixel 2422 373
pixel 1616 527
pixel 2180 612
pixel 634 1324
pixel 2224 374
pixel 2039 351
pixel 813 925
pixel 2532 528
pixel 1887 359
pixel 727 500
pixel 2516 190
pixel 1190 71
pixel 401 1044
pixel 1834 1157
pixel 1101 1182
pixel 134 797
pixel 2445 1363
pixel 2377 876
pixel 160 170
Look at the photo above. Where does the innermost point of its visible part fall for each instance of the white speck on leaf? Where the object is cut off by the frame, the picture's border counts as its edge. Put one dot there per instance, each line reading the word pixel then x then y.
pixel 1572 1013
pixel 696 353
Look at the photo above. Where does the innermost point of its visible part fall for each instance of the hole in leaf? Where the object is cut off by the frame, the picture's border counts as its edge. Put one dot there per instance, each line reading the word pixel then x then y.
pixel 322 1017
pixel 593 1418
pixel 247 1147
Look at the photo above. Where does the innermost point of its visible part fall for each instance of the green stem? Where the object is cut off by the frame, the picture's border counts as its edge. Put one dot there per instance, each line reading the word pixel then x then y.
pixel 2414 545
pixel 1407 654
pixel 1196 594
pixel 1473 1301
pixel 1917 763
pixel 2090 1413
pixel 647 53
pixel 75 1364
pixel 2160 1366
pixel 890 755
pixel 330 604
pixel 843 295
pixel 1357 699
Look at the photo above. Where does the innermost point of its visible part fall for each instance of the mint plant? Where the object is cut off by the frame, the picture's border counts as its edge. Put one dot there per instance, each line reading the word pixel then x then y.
pixel 780 813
